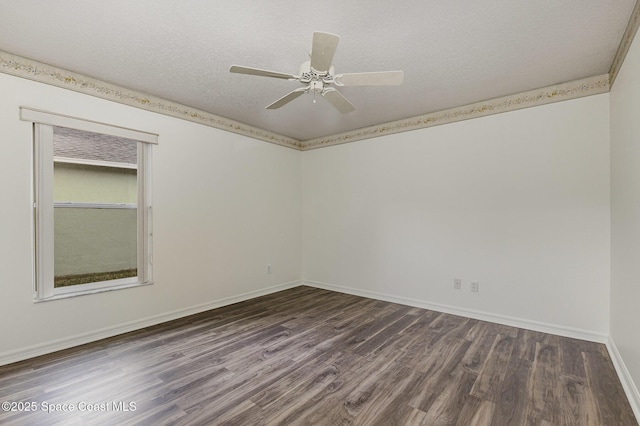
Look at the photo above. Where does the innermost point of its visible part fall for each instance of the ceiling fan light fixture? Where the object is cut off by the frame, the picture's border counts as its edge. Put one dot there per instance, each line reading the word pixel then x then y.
pixel 318 74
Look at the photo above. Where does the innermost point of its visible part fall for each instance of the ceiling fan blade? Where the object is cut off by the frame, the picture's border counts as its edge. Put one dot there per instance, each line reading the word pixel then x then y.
pixel 264 73
pixel 383 78
pixel 338 101
pixel 287 98
pixel 322 51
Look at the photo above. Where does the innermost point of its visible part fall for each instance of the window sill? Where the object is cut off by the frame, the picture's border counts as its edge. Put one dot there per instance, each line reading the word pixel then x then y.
pixel 91 291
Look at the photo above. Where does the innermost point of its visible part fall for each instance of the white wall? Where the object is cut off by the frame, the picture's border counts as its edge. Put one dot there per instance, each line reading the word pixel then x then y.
pixel 518 202
pixel 625 213
pixel 225 207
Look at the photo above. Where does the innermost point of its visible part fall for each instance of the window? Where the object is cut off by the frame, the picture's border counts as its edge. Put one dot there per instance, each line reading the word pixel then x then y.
pixel 92 206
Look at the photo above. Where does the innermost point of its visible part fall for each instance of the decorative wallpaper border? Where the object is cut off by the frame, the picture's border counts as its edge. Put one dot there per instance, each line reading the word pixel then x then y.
pixel 43 73
pixel 559 92
pixel 48 74
pixel 625 43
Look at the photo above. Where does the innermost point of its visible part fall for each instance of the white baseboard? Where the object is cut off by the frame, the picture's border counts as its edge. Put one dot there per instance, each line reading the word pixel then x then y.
pixel 628 384
pixel 630 388
pixel 80 339
pixel 559 330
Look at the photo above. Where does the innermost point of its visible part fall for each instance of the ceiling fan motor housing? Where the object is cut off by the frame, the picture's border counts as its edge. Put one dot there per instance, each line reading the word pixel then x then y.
pixel 309 75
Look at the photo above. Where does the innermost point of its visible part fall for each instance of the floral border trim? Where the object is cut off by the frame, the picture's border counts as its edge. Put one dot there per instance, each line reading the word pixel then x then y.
pixel 43 73
pixel 625 43
pixel 48 74
pixel 560 92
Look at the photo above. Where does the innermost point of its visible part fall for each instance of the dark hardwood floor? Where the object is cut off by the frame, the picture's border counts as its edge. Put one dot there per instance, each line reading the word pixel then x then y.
pixel 314 357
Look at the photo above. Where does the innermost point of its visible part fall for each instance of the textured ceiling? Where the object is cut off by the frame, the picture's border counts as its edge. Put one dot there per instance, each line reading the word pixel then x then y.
pixel 452 52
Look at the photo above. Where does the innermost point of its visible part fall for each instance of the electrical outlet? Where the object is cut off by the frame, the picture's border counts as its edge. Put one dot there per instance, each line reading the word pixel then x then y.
pixel 475 286
pixel 457 284
pixel 268 269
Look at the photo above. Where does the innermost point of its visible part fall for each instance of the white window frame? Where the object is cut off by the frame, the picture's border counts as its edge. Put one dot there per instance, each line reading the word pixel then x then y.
pixel 43 205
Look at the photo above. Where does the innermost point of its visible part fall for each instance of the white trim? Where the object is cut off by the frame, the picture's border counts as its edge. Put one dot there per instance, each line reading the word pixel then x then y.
pixel 99 163
pixel 47 74
pixel 630 388
pixel 43 73
pixel 9 357
pixel 145 239
pixel 81 205
pixel 559 92
pixel 44 204
pixel 54 119
pixel 575 333
pixel 93 287
pixel 625 44
pixel 97 287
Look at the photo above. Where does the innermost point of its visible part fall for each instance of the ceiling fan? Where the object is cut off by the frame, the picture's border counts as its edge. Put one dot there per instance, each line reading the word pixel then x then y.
pixel 318 76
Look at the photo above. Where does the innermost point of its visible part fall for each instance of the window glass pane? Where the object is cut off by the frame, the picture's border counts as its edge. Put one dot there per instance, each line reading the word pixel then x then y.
pixel 95 207
pixel 92 245
pixel 96 168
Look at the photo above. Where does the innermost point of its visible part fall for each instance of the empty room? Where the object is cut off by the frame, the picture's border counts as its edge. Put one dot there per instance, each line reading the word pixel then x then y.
pixel 342 213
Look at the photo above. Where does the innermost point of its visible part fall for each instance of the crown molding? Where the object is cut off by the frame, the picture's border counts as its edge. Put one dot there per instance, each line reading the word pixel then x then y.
pixel 625 43
pixel 48 74
pixel 556 93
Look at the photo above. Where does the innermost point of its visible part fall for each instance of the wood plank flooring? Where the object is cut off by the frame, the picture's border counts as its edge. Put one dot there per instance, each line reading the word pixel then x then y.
pixel 313 357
